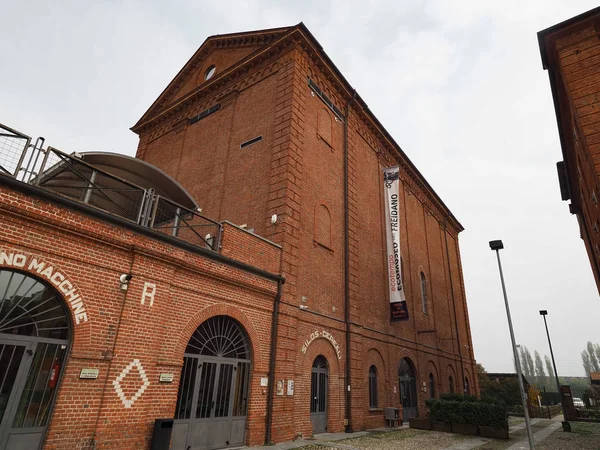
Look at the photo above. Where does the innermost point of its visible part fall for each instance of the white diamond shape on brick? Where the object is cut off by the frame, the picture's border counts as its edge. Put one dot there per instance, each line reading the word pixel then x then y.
pixel 128 402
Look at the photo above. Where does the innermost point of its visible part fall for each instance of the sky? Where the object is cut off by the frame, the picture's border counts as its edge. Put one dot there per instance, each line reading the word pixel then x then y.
pixel 459 85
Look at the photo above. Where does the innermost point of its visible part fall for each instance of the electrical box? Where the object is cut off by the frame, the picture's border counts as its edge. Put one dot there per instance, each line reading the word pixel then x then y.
pixel 391 413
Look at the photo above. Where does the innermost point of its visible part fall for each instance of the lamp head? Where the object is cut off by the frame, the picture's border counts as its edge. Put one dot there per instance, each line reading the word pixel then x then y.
pixel 543 312
pixel 496 245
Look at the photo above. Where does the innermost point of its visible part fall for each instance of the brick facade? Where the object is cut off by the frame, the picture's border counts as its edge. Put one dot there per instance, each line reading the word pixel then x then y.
pixel 571 54
pixel 296 172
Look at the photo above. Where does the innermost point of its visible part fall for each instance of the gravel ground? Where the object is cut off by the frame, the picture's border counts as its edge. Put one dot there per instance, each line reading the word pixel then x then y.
pixel 409 439
pixel 501 444
pixel 584 436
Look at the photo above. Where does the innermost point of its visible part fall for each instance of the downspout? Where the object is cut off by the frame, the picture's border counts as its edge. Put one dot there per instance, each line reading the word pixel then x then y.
pixel 272 357
pixel 110 355
pixel 347 268
pixel 462 369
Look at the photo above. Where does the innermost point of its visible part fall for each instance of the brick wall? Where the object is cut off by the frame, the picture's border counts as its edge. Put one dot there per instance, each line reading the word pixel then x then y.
pixel 92 254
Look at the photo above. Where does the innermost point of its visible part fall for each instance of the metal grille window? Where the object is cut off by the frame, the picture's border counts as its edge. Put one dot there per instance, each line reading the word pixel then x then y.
pixel 373 387
pixel 30 308
pixel 424 294
pixel 219 336
pixel 467 387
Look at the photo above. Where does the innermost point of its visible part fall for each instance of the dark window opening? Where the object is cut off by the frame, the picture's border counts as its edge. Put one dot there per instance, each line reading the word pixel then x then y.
pixel 451 384
pixel 431 386
pixel 373 387
pixel 205 113
pixel 250 142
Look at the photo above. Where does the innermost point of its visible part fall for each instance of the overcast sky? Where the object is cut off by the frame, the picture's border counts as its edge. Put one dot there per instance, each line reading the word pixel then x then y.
pixel 461 88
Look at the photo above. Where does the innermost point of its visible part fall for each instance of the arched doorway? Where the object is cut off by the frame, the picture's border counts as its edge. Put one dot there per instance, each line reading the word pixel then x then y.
pixel 214 387
pixel 35 331
pixel 318 395
pixel 408 389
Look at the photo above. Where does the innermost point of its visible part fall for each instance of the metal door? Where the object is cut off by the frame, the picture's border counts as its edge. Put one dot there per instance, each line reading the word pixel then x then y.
pixel 34 336
pixel 213 388
pixel 214 403
pixel 408 389
pixel 15 360
pixel 318 395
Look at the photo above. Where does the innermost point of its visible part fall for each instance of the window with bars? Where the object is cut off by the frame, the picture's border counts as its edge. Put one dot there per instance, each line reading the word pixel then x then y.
pixel 373 403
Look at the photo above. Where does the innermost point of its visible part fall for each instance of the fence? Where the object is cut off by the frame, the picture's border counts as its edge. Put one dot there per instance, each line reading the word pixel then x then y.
pixel 71 176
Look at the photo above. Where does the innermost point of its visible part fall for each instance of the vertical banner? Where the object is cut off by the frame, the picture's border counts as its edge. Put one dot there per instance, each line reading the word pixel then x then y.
pixel 391 180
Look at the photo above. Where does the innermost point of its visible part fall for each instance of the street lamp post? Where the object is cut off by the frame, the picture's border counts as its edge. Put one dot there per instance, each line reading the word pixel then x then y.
pixel 497 246
pixel 566 425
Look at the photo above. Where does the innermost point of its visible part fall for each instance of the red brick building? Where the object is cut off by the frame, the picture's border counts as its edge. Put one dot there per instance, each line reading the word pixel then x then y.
pixel 570 53
pixel 264 129
pixel 122 303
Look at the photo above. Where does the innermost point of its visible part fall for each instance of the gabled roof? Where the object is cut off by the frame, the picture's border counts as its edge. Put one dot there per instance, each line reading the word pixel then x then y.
pixel 595 377
pixel 258 37
pixel 269 38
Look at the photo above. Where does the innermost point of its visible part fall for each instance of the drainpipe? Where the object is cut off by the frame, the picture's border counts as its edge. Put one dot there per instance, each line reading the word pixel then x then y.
pixel 347 269
pixel 462 369
pixel 271 387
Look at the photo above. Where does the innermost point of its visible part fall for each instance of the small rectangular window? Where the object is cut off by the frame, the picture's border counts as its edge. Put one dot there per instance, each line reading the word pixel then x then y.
pixel 250 142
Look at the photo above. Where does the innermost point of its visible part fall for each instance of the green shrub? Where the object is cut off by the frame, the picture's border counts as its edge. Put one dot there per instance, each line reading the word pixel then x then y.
pixel 470 411
pixel 458 397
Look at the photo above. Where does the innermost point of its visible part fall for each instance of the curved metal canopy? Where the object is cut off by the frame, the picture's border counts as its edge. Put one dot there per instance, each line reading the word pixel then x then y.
pixel 141 173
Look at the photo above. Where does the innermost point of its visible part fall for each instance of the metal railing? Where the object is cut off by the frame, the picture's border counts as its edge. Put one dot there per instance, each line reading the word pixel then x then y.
pixel 178 221
pixel 71 176
pixel 13 145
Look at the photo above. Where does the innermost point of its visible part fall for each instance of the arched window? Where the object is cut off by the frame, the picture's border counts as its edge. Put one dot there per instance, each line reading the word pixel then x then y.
pixel 424 293
pixel 467 387
pixel 451 384
pixel 431 386
pixel 323 226
pixel 373 387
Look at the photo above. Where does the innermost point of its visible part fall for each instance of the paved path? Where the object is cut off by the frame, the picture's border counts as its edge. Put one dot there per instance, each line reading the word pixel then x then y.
pixel 321 439
pixel 469 443
pixel 523 444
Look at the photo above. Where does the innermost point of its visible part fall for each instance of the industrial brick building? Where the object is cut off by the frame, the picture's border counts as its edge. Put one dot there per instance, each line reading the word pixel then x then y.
pixel 570 53
pixel 234 276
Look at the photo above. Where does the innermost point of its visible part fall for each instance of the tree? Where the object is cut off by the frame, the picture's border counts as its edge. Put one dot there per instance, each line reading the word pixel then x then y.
pixel 549 366
pixel 526 362
pixel 587 364
pixel 593 358
pixel 539 365
pixel 590 358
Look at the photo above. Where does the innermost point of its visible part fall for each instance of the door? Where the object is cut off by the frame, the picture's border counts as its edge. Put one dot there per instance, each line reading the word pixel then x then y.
pixel 213 388
pixel 408 389
pixel 318 395
pixel 217 405
pixel 15 358
pixel 34 337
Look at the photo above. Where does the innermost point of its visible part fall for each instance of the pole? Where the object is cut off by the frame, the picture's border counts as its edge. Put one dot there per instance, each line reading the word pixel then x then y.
pixel 562 403
pixel 516 356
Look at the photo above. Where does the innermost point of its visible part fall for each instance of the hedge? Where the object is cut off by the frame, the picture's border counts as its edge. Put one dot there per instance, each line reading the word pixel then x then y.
pixel 467 409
